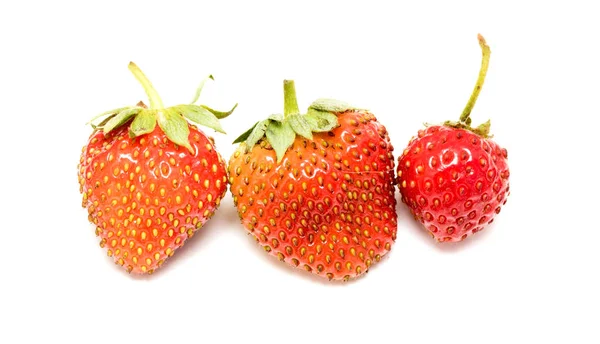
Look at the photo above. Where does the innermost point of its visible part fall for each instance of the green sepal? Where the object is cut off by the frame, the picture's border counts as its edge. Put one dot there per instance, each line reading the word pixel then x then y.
pixel 482 130
pixel 276 117
pixel 281 136
pixel 120 119
pixel 200 115
pixel 100 125
pixel 175 127
pixel 281 130
pixel 172 120
pixel 106 113
pixel 257 133
pixel 330 105
pixel 301 125
pixel 220 114
pixel 143 123
pixel 245 135
pixel 200 87
pixel 321 121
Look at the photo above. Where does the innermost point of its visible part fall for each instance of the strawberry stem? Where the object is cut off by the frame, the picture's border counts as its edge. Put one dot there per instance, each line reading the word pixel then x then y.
pixel 485 50
pixel 290 103
pixel 153 97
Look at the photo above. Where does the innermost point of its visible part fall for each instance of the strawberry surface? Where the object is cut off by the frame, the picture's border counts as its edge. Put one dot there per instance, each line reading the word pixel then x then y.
pixel 327 205
pixel 150 179
pixel 453 181
pixel 147 196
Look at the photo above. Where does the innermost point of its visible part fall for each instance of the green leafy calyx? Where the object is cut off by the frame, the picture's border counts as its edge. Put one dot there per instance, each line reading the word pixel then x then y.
pixel 280 130
pixel 465 119
pixel 173 120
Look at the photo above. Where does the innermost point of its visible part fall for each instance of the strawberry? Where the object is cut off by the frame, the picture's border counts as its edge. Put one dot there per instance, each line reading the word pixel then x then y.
pixel 317 190
pixel 453 177
pixel 149 188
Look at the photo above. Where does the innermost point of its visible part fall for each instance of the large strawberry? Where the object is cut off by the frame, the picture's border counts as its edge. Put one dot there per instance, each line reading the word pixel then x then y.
pixel 316 190
pixel 453 177
pixel 149 188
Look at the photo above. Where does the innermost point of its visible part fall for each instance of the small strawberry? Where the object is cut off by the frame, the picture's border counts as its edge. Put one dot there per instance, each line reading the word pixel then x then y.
pixel 453 177
pixel 317 189
pixel 149 188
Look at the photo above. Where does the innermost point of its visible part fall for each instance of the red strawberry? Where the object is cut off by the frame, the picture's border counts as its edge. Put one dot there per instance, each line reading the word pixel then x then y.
pixel 317 189
pixel 149 188
pixel 453 177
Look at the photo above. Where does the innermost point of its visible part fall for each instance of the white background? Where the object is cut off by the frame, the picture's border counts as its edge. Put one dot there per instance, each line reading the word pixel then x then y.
pixel 530 277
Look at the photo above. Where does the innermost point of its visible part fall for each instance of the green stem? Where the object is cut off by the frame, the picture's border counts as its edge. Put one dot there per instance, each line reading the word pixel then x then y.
pixel 153 97
pixel 485 50
pixel 290 103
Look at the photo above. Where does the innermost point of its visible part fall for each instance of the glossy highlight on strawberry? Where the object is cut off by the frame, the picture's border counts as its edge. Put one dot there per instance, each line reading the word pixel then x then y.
pixel 326 203
pixel 455 178
pixel 145 193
